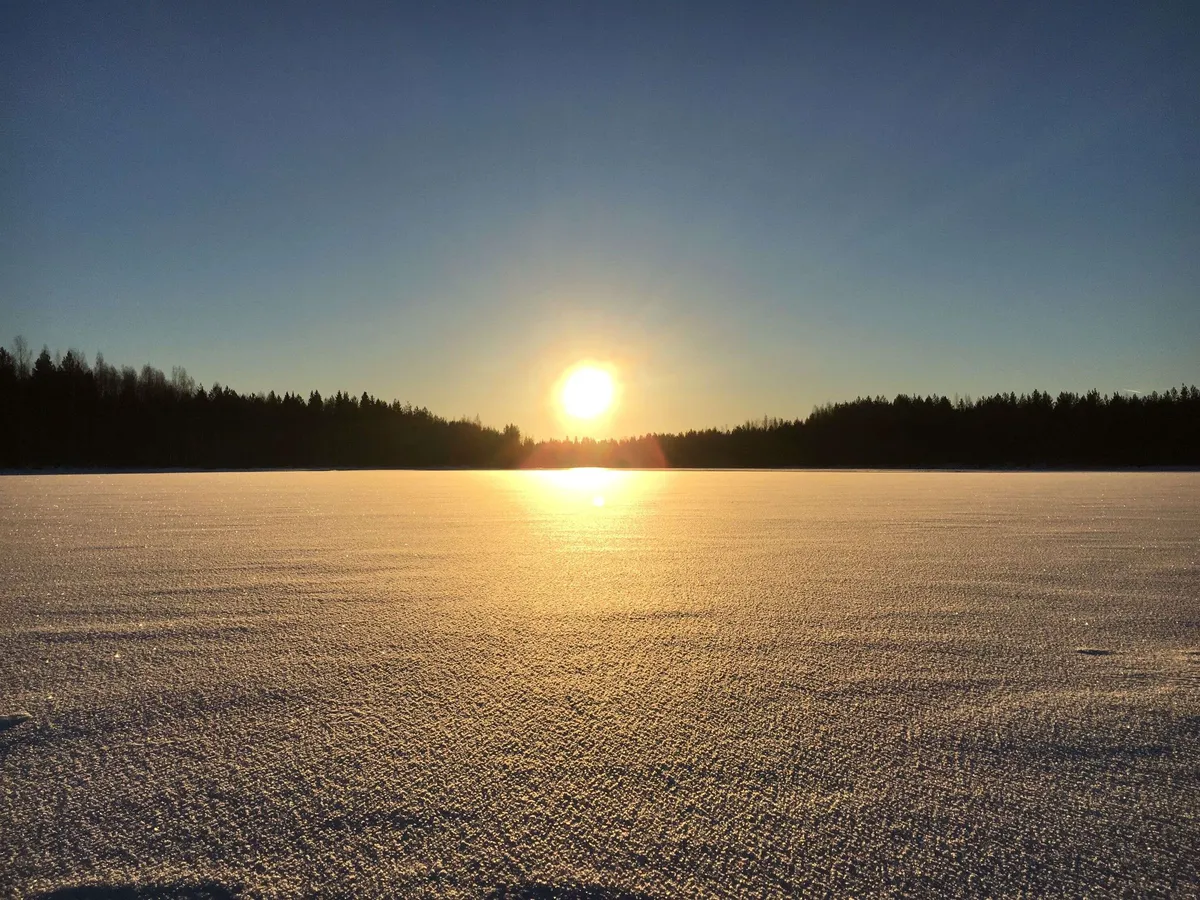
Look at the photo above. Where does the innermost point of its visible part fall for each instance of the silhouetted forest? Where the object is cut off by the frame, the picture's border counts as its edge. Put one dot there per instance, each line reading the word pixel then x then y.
pixel 61 411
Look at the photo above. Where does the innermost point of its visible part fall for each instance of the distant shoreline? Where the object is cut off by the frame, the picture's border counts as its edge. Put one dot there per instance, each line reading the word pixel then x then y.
pixel 931 469
pixel 67 416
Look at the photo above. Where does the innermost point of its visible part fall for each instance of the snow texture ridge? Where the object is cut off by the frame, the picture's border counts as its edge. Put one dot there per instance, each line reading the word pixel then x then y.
pixel 600 685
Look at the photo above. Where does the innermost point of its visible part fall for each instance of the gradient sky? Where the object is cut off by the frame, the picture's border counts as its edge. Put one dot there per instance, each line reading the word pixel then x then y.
pixel 751 208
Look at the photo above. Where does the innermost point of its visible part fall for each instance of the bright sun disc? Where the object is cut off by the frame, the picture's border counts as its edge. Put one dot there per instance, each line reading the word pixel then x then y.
pixel 587 392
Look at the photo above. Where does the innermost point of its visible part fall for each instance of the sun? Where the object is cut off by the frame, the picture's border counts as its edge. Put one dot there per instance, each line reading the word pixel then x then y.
pixel 587 392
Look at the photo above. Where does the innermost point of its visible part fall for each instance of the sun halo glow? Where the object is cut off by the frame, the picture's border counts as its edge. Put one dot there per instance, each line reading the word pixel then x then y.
pixel 587 392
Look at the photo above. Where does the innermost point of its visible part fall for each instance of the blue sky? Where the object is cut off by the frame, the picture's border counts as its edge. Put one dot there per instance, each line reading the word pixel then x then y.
pixel 749 208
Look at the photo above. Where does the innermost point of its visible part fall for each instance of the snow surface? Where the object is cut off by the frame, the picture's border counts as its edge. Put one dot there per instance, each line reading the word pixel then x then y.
pixel 595 685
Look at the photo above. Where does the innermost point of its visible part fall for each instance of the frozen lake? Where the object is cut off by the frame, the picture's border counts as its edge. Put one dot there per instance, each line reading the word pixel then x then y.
pixel 628 684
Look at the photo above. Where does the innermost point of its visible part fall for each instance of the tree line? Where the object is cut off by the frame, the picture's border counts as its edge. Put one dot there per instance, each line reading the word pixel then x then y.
pixel 61 411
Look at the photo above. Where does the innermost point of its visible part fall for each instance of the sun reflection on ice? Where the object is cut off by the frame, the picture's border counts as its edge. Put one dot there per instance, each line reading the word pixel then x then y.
pixel 585 512
pixel 587 497
pixel 565 488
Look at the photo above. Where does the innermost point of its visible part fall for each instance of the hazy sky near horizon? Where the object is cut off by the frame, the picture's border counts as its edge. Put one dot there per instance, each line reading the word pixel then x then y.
pixel 749 208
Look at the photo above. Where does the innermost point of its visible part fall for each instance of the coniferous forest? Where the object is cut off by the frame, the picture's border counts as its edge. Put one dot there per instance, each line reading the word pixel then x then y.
pixel 61 411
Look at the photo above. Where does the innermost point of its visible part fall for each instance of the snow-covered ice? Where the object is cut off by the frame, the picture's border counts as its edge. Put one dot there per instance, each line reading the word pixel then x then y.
pixel 593 684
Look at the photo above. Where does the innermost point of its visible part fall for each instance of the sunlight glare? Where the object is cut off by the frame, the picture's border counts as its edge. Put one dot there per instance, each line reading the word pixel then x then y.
pixel 565 489
pixel 587 392
pixel 583 479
